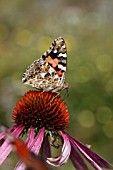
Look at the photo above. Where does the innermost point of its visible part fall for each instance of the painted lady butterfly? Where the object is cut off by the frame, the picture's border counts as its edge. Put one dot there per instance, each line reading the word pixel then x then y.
pixel 48 72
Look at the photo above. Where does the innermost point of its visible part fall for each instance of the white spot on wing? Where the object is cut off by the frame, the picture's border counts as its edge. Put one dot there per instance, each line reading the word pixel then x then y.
pixel 42 75
pixel 62 55
pixel 64 46
pixel 62 67
pixel 55 51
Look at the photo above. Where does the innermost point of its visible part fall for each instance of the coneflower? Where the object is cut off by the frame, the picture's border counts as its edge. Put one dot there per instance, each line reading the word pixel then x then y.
pixel 44 115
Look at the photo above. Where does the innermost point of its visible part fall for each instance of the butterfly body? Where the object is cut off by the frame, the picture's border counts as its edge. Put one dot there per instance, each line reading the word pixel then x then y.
pixel 48 72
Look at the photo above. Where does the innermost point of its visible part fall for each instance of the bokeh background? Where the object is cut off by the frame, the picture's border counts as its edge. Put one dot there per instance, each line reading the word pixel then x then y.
pixel 27 29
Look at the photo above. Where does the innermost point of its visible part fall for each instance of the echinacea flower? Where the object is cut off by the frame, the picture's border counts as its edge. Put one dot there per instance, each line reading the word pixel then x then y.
pixel 44 117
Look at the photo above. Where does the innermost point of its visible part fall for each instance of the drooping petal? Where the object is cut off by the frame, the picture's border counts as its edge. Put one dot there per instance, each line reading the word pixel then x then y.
pixel 63 157
pixel 17 131
pixel 1 135
pixel 46 149
pixel 94 159
pixel 33 144
pixel 4 151
pixel 1 139
pixel 77 160
pixel 6 148
pixel 36 144
pixel 20 165
pixel 30 138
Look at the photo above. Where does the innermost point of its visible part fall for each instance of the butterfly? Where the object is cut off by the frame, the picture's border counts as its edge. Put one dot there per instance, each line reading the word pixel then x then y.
pixel 48 72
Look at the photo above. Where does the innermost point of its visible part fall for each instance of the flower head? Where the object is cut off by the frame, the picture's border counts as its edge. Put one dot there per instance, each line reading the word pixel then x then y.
pixel 44 116
pixel 41 109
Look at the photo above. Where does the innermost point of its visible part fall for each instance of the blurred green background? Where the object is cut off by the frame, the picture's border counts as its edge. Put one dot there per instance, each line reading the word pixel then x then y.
pixel 27 28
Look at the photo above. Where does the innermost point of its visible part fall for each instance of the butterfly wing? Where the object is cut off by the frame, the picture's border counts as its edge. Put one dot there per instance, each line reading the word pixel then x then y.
pixel 48 72
pixel 56 56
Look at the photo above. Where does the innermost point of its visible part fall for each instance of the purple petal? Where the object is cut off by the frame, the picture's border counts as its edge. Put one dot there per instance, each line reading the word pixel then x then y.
pixel 4 151
pixel 12 128
pixel 77 160
pixel 1 135
pixel 63 157
pixel 33 144
pixel 6 148
pixel 46 149
pixel 20 165
pixel 95 160
pixel 17 131
pixel 30 137
pixel 36 144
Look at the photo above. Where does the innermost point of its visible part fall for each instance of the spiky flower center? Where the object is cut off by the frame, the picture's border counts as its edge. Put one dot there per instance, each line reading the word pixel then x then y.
pixel 41 109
